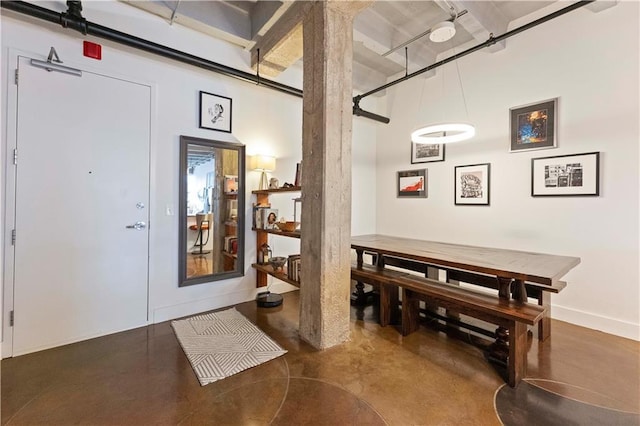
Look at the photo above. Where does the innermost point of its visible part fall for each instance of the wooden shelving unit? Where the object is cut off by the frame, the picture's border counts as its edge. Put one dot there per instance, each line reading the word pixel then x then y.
pixel 281 275
pixel 263 271
pixel 275 191
pixel 295 234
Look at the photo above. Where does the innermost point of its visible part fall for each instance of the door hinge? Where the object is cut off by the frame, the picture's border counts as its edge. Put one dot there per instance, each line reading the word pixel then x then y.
pixel 15 156
pixel 11 319
pixel 16 76
pixel 13 237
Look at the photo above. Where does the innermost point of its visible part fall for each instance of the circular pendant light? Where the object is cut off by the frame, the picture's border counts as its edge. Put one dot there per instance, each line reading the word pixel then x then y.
pixel 443 133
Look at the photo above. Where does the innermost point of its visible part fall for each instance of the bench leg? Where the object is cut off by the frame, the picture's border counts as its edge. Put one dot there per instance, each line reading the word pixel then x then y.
pixel 389 310
pixel 517 366
pixel 544 326
pixel 410 312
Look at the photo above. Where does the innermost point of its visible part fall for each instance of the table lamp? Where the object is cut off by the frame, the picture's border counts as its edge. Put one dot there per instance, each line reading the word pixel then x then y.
pixel 264 164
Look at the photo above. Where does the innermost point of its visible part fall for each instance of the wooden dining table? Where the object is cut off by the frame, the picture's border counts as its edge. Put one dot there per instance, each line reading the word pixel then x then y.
pixel 512 268
pixel 510 271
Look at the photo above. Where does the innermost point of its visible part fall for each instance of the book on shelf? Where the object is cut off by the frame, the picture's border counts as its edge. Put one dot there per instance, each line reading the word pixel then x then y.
pixel 298 179
pixel 293 267
pixel 231 244
pixel 258 216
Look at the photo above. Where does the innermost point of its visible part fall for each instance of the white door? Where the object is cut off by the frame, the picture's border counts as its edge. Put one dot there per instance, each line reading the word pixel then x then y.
pixel 82 178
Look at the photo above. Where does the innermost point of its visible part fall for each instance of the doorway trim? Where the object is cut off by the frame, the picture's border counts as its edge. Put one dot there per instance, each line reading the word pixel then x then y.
pixel 8 215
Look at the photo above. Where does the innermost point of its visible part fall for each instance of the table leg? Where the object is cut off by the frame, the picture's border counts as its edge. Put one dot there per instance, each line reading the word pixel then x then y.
pixel 504 287
pixel 359 297
pixel 452 328
pixel 519 291
pixel 499 350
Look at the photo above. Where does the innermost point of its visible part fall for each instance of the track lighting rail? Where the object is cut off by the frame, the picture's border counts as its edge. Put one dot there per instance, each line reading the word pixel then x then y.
pixel 492 40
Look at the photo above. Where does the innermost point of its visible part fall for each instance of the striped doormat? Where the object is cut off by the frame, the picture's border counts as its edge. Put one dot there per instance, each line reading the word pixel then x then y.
pixel 222 344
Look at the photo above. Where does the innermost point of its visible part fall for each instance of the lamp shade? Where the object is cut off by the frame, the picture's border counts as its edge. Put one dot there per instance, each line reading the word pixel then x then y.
pixel 264 163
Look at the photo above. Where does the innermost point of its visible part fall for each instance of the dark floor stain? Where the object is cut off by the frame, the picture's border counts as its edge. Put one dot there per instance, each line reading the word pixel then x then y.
pixel 531 405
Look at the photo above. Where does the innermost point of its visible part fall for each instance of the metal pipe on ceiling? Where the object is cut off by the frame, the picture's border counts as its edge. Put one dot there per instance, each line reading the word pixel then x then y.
pixel 492 40
pixel 366 114
pixel 74 20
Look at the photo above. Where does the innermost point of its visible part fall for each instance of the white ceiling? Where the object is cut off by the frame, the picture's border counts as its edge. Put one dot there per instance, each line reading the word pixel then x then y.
pixel 379 29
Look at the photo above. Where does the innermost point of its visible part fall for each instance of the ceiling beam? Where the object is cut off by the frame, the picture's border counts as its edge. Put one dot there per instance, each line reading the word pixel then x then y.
pixel 380 36
pixel 264 15
pixel 365 78
pixel 281 46
pixel 218 19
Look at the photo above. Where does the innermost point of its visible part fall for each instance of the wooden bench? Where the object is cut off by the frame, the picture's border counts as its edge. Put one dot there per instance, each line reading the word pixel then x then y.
pixel 381 279
pixel 511 315
pixel 510 348
pixel 540 292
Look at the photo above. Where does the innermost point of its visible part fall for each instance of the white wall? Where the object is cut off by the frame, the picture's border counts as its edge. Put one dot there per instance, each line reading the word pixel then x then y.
pixel 590 61
pixel 266 121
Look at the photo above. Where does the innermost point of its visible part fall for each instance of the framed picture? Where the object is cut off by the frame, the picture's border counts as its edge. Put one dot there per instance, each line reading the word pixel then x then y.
pixel 269 218
pixel 426 153
pixel 577 174
pixel 412 184
pixel 215 112
pixel 472 184
pixel 230 184
pixel 533 126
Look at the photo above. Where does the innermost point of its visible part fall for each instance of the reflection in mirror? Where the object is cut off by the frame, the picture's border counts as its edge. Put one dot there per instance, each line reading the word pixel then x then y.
pixel 211 210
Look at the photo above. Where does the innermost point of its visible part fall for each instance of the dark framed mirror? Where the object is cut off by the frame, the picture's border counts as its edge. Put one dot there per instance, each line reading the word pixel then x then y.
pixel 211 209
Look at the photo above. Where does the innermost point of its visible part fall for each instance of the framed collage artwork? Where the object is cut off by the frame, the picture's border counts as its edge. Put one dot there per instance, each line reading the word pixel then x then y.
pixel 564 175
pixel 426 153
pixel 472 184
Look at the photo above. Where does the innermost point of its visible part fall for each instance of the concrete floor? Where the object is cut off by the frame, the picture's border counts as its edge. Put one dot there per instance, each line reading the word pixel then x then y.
pixel 578 376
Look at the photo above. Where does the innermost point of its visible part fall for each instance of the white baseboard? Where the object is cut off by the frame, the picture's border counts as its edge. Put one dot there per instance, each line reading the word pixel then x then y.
pixel 166 313
pixel 584 319
pixel 613 326
pixel 278 286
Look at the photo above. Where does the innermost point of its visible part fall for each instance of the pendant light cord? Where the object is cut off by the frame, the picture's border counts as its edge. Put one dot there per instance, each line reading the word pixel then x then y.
pixel 464 99
pixel 445 132
pixel 258 69
pixel 424 84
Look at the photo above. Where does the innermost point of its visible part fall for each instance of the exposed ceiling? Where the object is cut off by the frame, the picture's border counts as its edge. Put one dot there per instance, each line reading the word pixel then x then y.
pixel 380 31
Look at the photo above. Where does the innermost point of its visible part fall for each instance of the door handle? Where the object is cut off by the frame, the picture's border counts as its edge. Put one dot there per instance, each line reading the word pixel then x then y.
pixel 138 226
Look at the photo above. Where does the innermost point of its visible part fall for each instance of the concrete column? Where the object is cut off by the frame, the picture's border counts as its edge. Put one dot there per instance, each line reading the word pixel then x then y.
pixel 326 172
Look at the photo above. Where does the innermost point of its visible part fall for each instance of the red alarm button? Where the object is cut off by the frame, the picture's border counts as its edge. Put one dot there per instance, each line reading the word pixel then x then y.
pixel 92 50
